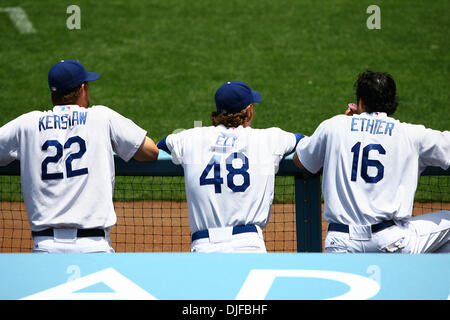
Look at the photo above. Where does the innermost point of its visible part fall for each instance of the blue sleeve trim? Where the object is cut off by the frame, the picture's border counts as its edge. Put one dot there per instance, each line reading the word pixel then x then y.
pixel 299 137
pixel 163 146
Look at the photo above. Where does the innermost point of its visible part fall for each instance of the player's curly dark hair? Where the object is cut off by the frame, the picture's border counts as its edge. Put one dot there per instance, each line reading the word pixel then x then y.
pixel 229 120
pixel 378 92
pixel 67 97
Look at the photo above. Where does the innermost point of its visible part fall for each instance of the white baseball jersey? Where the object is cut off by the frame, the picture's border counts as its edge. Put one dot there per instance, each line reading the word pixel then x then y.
pixel 371 165
pixel 67 163
pixel 229 173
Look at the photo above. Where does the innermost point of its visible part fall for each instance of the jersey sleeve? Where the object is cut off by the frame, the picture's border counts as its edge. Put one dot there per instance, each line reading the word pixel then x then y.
pixel 126 136
pixel 174 144
pixel 311 150
pixel 434 148
pixel 284 141
pixel 9 141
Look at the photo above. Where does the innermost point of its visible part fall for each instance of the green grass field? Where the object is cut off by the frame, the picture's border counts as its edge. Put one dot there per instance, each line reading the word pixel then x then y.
pixel 161 61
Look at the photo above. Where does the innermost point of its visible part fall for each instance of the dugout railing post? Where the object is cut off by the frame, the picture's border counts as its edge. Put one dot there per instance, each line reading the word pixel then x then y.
pixel 308 205
pixel 308 212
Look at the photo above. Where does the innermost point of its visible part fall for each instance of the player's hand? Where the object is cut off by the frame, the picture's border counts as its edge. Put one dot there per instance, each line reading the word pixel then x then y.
pixel 351 110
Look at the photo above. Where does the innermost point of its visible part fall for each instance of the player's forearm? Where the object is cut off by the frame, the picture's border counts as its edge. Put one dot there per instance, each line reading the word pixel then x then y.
pixel 147 151
pixel 297 161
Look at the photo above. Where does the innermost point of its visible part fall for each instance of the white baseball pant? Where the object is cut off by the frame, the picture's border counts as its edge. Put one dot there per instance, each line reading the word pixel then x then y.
pixel 421 234
pixel 66 241
pixel 222 240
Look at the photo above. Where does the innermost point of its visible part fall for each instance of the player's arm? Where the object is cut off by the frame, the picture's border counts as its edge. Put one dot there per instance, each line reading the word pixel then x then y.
pixel 285 142
pixel 298 137
pixel 9 143
pixel 162 145
pixel 297 161
pixel 310 151
pixel 128 140
pixel 148 151
pixel 173 144
pixel 433 146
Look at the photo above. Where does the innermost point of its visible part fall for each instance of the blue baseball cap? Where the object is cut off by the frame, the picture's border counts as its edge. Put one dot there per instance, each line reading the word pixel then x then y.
pixel 67 75
pixel 234 96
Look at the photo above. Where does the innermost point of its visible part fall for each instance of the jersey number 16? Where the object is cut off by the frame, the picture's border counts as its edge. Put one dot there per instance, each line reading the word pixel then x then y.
pixel 366 162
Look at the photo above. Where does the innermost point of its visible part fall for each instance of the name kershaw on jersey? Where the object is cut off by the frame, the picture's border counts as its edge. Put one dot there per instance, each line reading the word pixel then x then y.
pixel 65 121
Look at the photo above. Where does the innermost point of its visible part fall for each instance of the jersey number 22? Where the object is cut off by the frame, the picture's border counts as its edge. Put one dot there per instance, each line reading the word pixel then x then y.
pixel 59 153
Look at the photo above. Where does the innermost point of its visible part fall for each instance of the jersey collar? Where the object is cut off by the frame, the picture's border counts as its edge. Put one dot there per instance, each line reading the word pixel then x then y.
pixel 67 107
pixel 376 114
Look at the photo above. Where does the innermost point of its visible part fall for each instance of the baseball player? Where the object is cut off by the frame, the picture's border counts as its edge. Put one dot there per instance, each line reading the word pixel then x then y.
pixel 371 165
pixel 67 164
pixel 229 171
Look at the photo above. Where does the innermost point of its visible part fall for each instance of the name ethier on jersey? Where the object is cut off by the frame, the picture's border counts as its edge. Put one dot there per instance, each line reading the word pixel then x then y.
pixel 373 126
pixel 65 121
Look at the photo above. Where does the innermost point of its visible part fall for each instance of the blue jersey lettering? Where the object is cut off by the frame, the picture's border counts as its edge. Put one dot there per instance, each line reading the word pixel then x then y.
pixel 389 127
pixel 227 141
pixel 48 122
pixel 63 122
pixel 354 124
pixel 74 118
pixel 41 123
pixel 380 125
pixel 372 126
pixel 224 143
pixel 83 116
pixel 56 122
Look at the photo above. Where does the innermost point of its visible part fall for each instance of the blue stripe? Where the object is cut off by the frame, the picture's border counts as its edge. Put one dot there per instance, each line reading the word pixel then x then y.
pixel 163 146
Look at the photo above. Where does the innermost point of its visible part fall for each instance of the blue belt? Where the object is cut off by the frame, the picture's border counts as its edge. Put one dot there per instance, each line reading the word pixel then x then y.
pixel 375 227
pixel 236 230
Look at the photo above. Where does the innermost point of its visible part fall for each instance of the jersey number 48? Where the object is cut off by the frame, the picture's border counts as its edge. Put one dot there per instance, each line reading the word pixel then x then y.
pixel 217 180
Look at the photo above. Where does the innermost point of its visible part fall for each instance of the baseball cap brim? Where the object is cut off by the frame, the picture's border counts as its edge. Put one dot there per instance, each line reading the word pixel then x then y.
pixel 256 96
pixel 91 76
